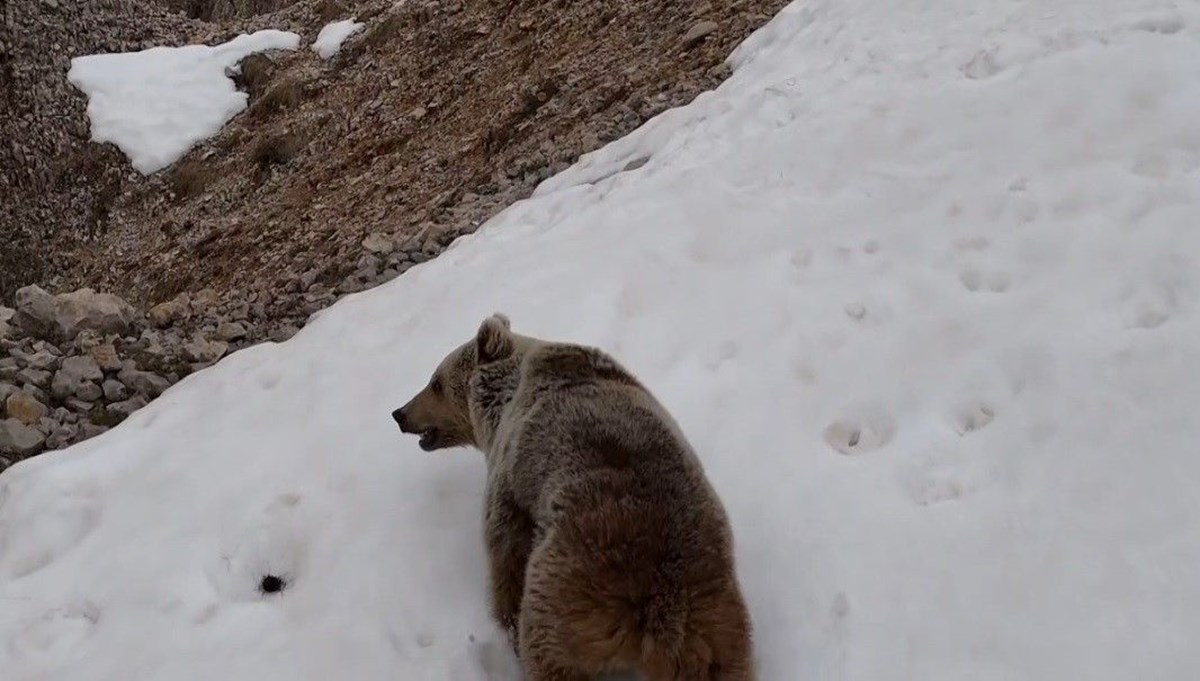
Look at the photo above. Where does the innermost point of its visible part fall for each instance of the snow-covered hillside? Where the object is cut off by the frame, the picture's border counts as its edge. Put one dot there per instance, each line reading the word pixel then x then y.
pixel 157 103
pixel 920 282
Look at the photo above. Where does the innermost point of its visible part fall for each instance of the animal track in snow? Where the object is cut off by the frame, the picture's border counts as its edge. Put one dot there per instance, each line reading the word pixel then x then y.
pixel 56 631
pixel 982 65
pixel 971 417
pixel 268 379
pixel 975 280
pixel 936 490
pixel 972 243
pixel 54 528
pixel 1167 24
pixel 1151 306
pixel 860 431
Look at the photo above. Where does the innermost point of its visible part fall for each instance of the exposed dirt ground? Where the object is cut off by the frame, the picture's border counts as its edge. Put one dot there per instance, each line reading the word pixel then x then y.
pixel 434 117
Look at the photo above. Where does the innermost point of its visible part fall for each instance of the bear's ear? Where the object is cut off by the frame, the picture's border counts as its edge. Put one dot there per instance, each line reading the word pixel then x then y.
pixel 494 341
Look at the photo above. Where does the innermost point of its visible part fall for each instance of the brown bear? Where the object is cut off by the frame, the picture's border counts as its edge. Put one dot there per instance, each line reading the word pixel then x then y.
pixel 608 548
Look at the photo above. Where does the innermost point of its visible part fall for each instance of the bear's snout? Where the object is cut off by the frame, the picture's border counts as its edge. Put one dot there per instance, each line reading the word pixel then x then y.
pixel 401 420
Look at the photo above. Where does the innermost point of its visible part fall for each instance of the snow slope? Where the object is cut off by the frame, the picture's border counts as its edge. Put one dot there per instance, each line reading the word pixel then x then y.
pixel 157 103
pixel 920 282
pixel 332 35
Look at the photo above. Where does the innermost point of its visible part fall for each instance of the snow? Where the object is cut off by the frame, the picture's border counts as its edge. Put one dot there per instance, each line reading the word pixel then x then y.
pixel 332 35
pixel 919 281
pixel 157 103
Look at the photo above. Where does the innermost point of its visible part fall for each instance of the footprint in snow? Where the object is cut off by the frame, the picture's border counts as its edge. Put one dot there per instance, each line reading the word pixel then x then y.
pixel 975 280
pixel 49 531
pixel 56 632
pixel 970 417
pixel 861 430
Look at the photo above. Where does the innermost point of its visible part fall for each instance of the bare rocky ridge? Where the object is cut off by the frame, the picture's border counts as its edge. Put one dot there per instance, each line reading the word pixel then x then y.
pixel 340 175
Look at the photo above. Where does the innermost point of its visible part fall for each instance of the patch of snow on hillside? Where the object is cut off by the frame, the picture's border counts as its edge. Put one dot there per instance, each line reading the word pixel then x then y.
pixel 921 282
pixel 157 103
pixel 332 35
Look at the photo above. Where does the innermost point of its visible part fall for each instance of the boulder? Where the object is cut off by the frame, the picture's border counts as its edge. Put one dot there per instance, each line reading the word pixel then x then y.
pixel 62 317
pixel 24 407
pixel 63 435
pixel 105 356
pixel 20 439
pixel 204 351
pixel 143 382
pixel 174 310
pixel 698 32
pixel 114 391
pixel 76 372
pixel 103 312
pixel 42 360
pixel 231 331
pixel 34 377
pixel 6 329
pixel 122 410
pixel 37 312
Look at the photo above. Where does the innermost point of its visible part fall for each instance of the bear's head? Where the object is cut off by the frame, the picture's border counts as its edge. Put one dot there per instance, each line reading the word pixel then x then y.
pixel 441 412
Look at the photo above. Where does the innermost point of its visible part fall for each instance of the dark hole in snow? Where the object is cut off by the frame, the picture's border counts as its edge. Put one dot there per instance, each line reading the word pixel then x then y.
pixel 271 584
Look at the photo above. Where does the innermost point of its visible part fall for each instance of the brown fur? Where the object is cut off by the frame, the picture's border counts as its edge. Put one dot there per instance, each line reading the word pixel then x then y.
pixel 608 549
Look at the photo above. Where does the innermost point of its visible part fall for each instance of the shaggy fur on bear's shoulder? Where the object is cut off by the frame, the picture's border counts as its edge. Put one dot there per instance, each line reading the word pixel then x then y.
pixel 608 548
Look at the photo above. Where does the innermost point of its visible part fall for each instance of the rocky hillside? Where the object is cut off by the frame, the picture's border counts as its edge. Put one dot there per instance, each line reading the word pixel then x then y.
pixel 340 175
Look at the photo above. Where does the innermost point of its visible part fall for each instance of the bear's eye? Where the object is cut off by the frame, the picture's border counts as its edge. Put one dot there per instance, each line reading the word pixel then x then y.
pixel 436 385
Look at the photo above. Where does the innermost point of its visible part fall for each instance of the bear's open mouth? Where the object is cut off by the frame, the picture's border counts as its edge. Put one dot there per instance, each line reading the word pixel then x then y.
pixel 429 439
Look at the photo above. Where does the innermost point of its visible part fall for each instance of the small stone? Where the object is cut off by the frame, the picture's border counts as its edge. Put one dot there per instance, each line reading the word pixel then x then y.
pixel 205 299
pixel 75 372
pixel 7 389
pixel 143 382
pixel 418 113
pixel 90 430
pixel 77 405
pixel 24 407
pixel 20 439
pixel 114 390
pixel 698 32
pixel 36 393
pixel 88 339
pixel 34 377
pixel 350 285
pixel 231 331
pixel 122 410
pixel 308 279
pixel 203 350
pixel 105 356
pixel 42 360
pixel 283 333
pixel 174 310
pixel 46 426
pixel 62 436
pixel 89 391
pixel 378 243
pixel 82 368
